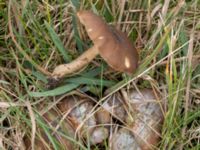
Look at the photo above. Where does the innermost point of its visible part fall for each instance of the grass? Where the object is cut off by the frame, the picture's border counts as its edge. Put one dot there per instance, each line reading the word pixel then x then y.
pixel 36 36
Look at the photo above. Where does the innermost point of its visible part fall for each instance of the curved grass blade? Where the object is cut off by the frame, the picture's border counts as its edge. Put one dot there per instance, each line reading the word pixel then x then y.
pixel 56 91
pixel 90 81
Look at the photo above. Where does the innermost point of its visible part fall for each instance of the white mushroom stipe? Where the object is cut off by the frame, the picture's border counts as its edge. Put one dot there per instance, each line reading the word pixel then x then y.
pixel 101 37
pixel 89 30
pixel 127 62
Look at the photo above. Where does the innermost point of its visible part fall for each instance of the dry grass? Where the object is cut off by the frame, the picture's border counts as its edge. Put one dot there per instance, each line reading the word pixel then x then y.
pixel 36 36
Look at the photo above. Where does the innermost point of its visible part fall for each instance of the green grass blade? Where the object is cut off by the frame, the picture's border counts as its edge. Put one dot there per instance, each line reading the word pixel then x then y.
pixel 58 42
pixel 76 34
pixel 48 133
pixel 90 81
pixel 76 3
pixel 40 76
pixel 54 92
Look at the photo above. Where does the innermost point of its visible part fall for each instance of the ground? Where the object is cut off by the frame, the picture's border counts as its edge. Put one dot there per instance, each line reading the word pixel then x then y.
pixel 36 36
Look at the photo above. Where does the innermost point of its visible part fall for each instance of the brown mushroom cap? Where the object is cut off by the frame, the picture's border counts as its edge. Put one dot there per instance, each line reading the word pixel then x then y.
pixel 113 45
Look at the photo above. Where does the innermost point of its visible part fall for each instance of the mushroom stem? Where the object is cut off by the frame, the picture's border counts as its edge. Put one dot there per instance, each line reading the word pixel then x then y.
pixel 65 69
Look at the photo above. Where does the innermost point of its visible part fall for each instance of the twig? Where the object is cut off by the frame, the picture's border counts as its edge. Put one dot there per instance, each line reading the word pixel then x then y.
pixel 9 104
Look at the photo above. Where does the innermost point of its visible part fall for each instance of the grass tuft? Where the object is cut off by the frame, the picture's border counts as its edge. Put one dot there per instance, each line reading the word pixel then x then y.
pixel 36 36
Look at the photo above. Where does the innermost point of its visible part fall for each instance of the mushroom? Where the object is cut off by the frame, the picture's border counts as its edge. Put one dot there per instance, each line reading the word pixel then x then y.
pixel 78 108
pixel 123 139
pixel 113 46
pixel 148 122
pixel 143 133
pixel 99 135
